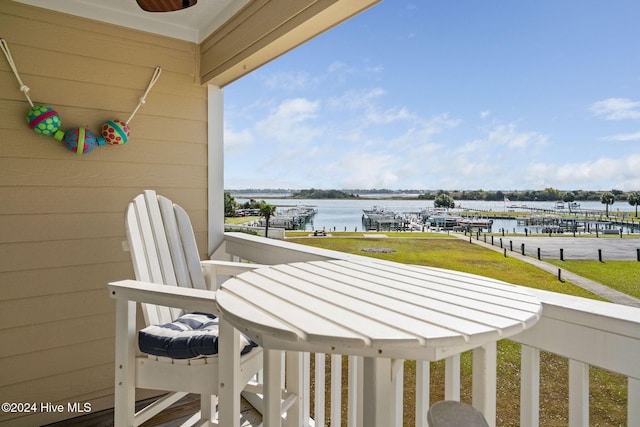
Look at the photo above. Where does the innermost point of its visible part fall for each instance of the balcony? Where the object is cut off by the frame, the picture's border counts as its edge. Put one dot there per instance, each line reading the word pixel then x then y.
pixel 583 334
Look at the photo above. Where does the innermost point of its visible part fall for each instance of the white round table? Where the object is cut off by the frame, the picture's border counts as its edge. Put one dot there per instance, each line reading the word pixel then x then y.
pixel 376 309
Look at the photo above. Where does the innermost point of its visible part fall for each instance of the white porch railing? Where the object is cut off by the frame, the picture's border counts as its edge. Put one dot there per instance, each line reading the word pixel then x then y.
pixel 586 332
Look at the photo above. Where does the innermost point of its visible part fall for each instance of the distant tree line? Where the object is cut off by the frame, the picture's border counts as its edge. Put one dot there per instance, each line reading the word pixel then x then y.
pixel 322 194
pixel 546 195
pixel 447 199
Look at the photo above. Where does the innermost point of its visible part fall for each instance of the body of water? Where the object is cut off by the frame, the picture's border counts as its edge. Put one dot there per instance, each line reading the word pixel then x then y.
pixel 346 215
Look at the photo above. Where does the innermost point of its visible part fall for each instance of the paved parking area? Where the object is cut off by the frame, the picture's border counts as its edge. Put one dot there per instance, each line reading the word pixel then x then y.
pixel 574 248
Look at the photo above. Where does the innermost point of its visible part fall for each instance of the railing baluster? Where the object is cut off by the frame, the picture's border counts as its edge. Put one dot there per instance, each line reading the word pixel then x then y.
pixel 306 387
pixel 354 390
pixel 318 401
pixel 397 367
pixel 423 379
pixel 578 394
pixel 633 397
pixel 336 389
pixel 530 387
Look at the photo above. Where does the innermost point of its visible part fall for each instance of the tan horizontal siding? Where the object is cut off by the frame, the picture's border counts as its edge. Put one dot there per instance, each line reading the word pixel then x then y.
pixel 62 306
pixel 82 173
pixel 56 227
pixel 135 151
pixel 62 214
pixel 31 366
pixel 83 200
pixel 53 281
pixel 58 334
pixel 79 385
pixel 35 27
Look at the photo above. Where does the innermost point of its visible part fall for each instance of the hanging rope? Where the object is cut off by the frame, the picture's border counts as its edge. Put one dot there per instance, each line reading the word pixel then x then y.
pixel 45 120
pixel 7 53
pixel 154 79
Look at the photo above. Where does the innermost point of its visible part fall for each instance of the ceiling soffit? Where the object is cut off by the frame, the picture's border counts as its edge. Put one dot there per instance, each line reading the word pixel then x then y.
pixel 265 29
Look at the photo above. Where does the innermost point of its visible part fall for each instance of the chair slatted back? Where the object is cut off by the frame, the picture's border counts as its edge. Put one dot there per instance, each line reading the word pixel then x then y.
pixel 163 249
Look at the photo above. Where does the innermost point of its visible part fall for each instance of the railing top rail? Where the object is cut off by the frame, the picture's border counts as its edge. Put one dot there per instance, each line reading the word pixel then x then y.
pixel 606 316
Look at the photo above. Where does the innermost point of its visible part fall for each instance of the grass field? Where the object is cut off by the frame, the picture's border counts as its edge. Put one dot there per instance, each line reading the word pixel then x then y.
pixel 240 220
pixel 608 392
pixel 623 276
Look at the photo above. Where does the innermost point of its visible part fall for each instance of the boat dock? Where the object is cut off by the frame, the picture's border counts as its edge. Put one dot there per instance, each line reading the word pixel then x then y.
pixel 379 219
pixel 291 219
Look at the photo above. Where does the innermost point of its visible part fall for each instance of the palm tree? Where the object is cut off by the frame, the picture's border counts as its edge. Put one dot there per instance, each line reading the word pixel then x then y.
pixel 229 204
pixel 634 200
pixel 607 199
pixel 266 210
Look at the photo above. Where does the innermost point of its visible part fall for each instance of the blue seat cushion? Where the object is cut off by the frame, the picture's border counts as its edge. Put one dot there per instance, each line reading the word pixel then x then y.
pixel 189 336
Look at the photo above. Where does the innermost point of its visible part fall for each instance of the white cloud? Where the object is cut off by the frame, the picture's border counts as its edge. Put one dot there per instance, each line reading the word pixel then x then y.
pixel 418 138
pixel 353 100
pixel 288 81
pixel 484 114
pixel 366 170
pixel 289 121
pixel 623 173
pixel 623 137
pixel 509 136
pixel 237 141
pixel 499 136
pixel 616 109
pixel 339 67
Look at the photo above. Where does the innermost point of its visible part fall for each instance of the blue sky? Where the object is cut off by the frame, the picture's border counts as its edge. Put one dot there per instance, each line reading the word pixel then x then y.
pixel 465 94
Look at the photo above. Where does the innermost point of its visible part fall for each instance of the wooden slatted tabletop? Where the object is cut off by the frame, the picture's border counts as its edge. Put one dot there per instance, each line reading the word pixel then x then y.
pixel 374 309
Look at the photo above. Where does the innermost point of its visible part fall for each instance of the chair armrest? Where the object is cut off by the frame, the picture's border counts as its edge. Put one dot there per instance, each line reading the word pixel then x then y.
pixel 170 296
pixel 213 269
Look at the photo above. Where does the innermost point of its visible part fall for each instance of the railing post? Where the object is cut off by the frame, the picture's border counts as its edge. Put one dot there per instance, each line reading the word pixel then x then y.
pixel 484 381
pixel 530 387
pixel 578 394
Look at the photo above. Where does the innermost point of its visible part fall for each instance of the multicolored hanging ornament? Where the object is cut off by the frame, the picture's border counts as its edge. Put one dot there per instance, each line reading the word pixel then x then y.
pixel 116 132
pixel 81 140
pixel 46 121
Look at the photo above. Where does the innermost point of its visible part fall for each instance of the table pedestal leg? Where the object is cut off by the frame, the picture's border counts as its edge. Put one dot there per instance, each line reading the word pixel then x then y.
pixel 272 365
pixel 382 392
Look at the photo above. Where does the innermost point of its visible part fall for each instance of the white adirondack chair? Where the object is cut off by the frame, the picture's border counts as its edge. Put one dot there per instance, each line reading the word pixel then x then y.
pixel 163 251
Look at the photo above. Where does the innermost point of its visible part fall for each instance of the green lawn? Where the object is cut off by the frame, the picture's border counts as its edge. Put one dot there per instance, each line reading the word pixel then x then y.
pixel 373 234
pixel 608 392
pixel 240 219
pixel 623 276
pixel 451 253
